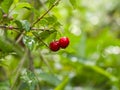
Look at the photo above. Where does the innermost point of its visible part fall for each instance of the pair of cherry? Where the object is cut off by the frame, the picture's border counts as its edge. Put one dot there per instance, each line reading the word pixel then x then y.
pixel 63 42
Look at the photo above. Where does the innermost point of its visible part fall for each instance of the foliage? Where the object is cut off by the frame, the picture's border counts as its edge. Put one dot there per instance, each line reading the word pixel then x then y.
pixel 90 62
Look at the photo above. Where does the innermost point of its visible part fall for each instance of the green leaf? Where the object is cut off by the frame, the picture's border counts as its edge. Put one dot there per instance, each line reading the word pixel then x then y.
pixel 51 2
pixel 16 1
pixel 1 1
pixel 24 86
pixel 49 78
pixel 62 85
pixel 29 42
pixel 73 3
pixel 44 34
pixel 19 24
pixel 5 85
pixel 105 73
pixel 51 20
pixel 9 46
pixel 52 37
pixel 23 5
pixel 29 78
pixel 43 22
pixel 25 25
pixel 6 5
pixel 5 46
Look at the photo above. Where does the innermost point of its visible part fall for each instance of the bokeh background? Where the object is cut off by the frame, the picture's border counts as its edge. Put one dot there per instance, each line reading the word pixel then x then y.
pixel 90 62
pixel 93 57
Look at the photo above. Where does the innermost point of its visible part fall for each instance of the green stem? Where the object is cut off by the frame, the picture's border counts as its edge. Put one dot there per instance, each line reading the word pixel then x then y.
pixel 18 69
pixel 45 13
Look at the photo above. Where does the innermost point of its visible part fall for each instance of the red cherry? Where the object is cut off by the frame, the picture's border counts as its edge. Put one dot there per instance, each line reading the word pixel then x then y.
pixel 64 42
pixel 54 46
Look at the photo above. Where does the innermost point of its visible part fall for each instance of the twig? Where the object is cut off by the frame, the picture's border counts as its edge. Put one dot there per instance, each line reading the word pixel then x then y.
pixel 18 69
pixel 31 63
pixel 31 67
pixel 43 5
pixel 17 29
pixel 20 37
pixel 40 40
pixel 45 13
pixel 45 61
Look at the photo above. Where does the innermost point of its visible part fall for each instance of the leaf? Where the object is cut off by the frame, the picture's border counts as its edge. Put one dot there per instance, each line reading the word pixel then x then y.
pixel 5 46
pixel 24 86
pixel 23 5
pixel 49 78
pixel 19 24
pixel 52 37
pixel 6 5
pixel 51 2
pixel 29 42
pixel 16 1
pixel 8 46
pixel 5 85
pixel 73 3
pixel 1 1
pixel 51 20
pixel 62 85
pixel 43 22
pixel 29 78
pixel 98 69
pixel 44 34
pixel 25 25
pixel 105 73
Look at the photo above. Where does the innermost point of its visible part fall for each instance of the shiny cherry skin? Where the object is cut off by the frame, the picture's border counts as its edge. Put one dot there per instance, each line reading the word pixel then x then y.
pixel 54 46
pixel 64 42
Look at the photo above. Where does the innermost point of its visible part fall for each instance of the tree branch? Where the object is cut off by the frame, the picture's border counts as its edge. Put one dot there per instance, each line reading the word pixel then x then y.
pixel 40 40
pixel 31 63
pixel 45 13
pixel 16 29
pixel 45 62
pixel 18 69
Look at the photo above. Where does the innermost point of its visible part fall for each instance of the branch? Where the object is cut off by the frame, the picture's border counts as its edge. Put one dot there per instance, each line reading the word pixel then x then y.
pixel 20 37
pixel 45 62
pixel 45 13
pixel 16 29
pixel 40 40
pixel 18 69
pixel 31 63
pixel 7 27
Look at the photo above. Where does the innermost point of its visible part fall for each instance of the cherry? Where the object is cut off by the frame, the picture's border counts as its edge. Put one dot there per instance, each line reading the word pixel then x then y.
pixel 64 42
pixel 54 46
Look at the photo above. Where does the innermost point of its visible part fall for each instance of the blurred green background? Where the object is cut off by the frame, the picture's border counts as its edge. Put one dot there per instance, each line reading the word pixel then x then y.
pixel 93 57
pixel 91 61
